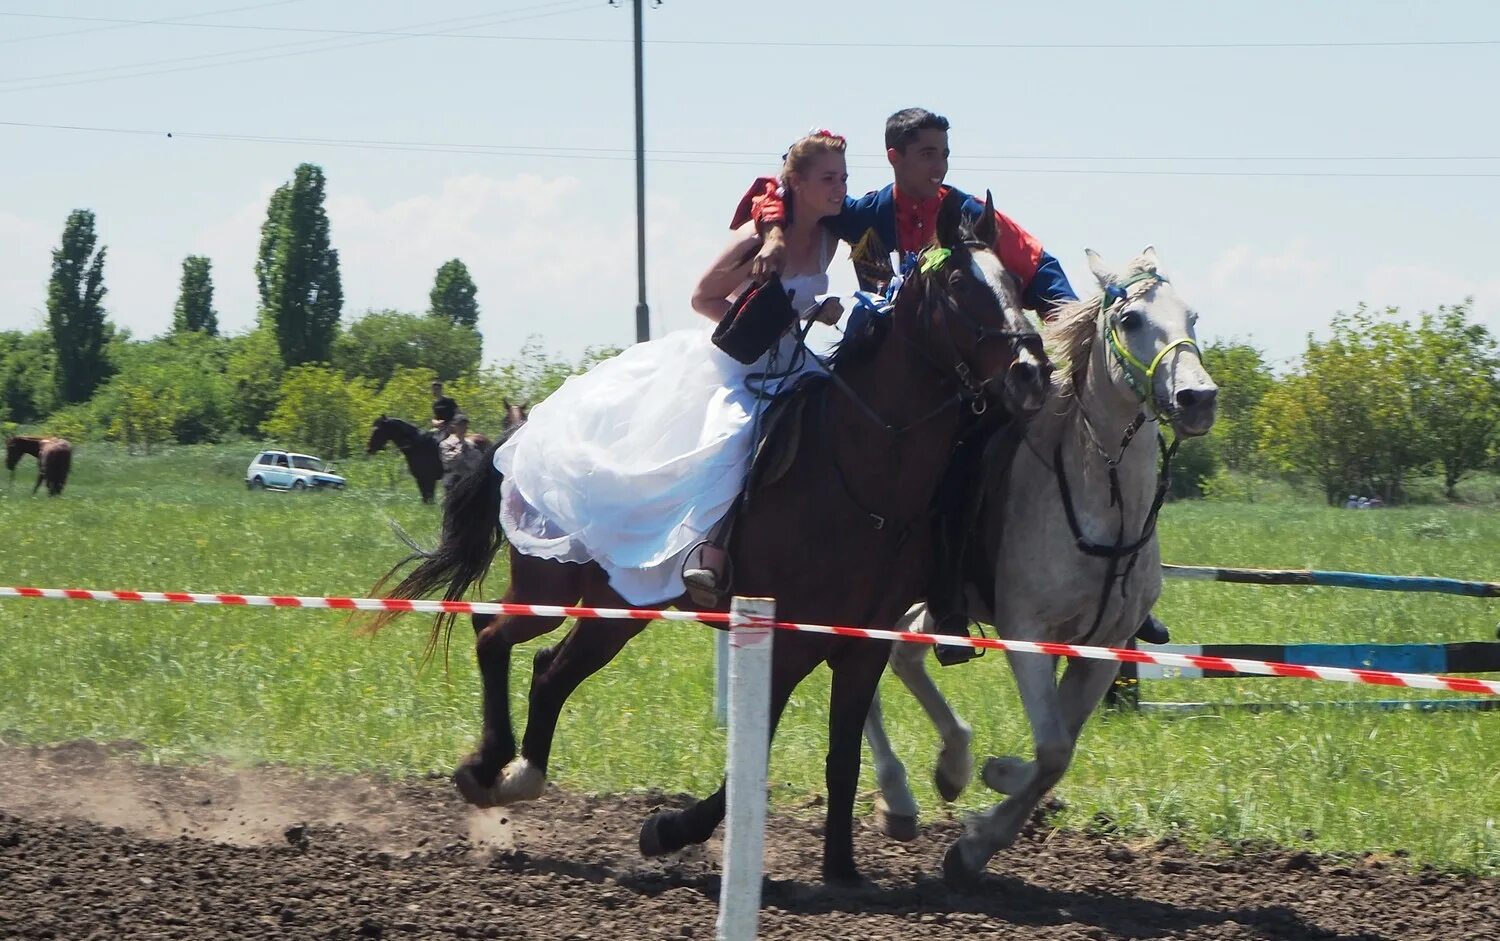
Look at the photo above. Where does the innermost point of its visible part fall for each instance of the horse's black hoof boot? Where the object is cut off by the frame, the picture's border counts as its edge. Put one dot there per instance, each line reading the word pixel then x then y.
pixel 953 625
pixel 1153 631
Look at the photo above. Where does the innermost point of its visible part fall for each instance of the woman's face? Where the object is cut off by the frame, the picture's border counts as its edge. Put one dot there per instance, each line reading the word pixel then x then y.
pixel 822 184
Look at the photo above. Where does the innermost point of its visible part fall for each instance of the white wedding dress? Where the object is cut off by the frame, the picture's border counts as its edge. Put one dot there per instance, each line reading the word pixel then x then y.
pixel 631 464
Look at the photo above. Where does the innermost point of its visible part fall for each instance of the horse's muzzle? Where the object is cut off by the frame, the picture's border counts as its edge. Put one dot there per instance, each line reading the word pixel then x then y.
pixel 1026 386
pixel 1193 410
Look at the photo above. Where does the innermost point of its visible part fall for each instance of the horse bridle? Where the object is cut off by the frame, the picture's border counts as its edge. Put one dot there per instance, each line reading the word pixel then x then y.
pixel 972 390
pixel 934 259
pixel 1145 386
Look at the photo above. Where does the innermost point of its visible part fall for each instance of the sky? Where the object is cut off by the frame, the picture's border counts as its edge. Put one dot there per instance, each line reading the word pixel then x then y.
pixel 1287 159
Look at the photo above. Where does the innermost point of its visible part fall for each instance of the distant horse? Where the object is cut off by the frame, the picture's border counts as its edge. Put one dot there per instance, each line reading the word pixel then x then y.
pixel 54 457
pixel 420 449
pixel 1070 539
pixel 839 535
pixel 515 417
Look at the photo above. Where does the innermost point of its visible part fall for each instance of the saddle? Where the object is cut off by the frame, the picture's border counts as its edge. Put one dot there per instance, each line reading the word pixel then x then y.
pixel 777 443
pixel 780 434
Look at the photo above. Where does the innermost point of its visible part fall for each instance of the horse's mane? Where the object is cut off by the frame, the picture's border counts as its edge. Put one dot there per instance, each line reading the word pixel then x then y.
pixel 1073 327
pixel 864 336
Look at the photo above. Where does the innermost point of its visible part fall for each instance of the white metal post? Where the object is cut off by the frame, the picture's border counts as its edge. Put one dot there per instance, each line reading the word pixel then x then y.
pixel 749 750
pixel 721 678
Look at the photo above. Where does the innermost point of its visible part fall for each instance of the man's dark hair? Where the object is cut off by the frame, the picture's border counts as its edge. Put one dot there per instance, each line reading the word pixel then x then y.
pixel 902 127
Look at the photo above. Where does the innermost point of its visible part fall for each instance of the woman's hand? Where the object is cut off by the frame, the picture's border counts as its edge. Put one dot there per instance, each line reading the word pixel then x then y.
pixel 830 311
pixel 771 258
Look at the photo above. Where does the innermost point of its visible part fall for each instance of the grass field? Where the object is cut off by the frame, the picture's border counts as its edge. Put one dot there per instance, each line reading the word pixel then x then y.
pixel 298 688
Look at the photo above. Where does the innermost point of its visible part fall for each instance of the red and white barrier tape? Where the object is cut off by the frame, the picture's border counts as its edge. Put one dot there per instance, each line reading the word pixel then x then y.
pixel 1457 684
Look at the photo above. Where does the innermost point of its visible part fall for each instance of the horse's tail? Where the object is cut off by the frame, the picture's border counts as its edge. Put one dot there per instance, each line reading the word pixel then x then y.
pixel 471 537
pixel 58 463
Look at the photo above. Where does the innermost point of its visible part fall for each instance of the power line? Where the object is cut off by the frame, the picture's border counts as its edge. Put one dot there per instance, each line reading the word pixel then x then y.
pixel 322 45
pixel 127 24
pixel 677 157
pixel 1309 44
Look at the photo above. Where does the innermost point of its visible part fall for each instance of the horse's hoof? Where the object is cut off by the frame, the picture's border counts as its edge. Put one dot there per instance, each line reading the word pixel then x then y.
pixel 1006 775
pixel 844 877
pixel 899 827
pixel 951 783
pixel 471 790
pixel 957 872
pixel 521 781
pixel 651 839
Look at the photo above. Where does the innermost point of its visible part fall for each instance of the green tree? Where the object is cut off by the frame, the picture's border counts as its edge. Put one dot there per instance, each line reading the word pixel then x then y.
pixel 1454 371
pixel 75 309
pixel 408 395
pixel 301 296
pixel 453 294
pixel 1243 378
pixel 253 370
pixel 185 370
pixel 382 342
pixel 1346 417
pixel 195 298
pixel 535 374
pixel 28 387
pixel 142 416
pixel 320 410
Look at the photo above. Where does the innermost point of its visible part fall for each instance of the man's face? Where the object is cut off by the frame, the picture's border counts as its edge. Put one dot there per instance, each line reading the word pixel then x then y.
pixel 921 168
pixel 437 388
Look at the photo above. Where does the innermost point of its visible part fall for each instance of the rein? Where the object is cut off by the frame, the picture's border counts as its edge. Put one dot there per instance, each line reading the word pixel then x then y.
pixel 970 390
pixel 1120 549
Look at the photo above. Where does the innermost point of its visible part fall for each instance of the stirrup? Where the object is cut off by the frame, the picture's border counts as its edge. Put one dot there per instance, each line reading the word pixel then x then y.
pixel 705 575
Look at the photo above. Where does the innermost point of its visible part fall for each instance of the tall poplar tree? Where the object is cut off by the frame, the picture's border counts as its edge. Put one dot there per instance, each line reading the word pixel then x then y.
pixel 301 297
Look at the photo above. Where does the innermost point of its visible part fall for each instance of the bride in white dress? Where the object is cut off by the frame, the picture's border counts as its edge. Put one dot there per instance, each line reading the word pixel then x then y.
pixel 632 464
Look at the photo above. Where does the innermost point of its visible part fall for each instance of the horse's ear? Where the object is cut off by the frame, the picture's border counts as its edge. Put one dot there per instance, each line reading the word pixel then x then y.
pixel 382 417
pixel 1102 274
pixel 525 408
pixel 950 220
pixel 1148 255
pixel 505 403
pixel 984 226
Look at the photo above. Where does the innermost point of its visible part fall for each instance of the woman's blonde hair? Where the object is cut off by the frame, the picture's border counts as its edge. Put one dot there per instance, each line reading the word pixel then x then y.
pixel 802 152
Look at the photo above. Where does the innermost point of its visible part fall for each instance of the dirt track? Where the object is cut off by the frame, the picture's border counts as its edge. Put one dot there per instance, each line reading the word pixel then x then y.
pixel 95 845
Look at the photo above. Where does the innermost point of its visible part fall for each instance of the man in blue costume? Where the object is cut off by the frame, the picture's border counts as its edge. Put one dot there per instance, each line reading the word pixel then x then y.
pixel 902 217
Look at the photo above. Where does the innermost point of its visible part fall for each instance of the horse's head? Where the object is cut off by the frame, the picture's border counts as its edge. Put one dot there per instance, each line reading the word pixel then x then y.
pixel 515 416
pixel 971 317
pixel 1150 347
pixel 380 433
pixel 13 454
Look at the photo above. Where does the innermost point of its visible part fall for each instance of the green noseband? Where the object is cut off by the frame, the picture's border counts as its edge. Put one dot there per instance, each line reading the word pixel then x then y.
pixel 1141 378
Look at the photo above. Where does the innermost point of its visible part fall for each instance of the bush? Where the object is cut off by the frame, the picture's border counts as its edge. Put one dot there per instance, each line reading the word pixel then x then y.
pixel 253 370
pixel 184 373
pixel 321 411
pixel 382 343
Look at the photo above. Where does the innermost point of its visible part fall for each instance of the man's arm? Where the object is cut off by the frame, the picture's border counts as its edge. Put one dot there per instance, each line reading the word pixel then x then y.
pixel 764 204
pixel 1044 286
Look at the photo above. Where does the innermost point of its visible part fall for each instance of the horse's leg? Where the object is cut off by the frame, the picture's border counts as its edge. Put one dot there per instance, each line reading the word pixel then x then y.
pixel 40 475
pixel 588 648
pixel 856 677
pixel 495 637
pixel 955 764
pixel 1056 713
pixel 668 831
pixel 895 807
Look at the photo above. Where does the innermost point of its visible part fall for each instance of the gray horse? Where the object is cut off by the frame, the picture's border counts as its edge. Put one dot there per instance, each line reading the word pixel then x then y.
pixel 1072 535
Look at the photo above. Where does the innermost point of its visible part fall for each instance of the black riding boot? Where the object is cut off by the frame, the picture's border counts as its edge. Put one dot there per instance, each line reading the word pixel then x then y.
pixel 1153 631
pixel 947 601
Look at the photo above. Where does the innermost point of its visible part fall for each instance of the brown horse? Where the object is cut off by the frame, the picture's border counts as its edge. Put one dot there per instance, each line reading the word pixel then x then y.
pixel 841 537
pixel 54 457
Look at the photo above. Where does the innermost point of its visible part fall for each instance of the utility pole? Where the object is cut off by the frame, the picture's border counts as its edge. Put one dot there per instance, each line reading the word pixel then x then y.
pixel 642 312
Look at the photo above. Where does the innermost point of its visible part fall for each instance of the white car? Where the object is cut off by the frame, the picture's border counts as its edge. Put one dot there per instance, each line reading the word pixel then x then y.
pixel 288 470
